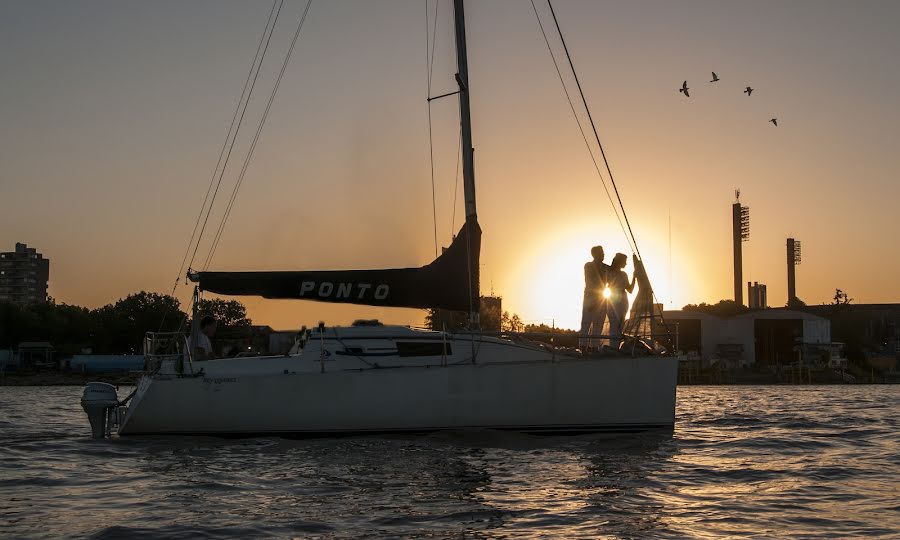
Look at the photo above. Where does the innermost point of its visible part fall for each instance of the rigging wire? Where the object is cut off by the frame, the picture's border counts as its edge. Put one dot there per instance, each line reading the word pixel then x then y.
pixel 578 122
pixel 224 145
pixel 587 109
pixel 231 132
pixel 429 69
pixel 231 146
pixel 437 7
pixel 256 136
pixel 456 183
pixel 612 179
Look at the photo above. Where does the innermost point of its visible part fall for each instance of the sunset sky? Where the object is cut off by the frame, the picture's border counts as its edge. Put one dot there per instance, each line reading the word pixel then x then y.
pixel 113 114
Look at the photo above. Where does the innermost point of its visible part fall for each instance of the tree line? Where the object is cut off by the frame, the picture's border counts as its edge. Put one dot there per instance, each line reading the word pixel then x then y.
pixel 116 328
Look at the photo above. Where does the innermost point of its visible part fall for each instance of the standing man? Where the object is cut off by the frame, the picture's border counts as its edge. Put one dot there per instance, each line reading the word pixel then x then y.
pixel 203 349
pixel 593 308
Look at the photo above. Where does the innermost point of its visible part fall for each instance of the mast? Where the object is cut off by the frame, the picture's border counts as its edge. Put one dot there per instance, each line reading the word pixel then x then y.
pixel 462 78
pixel 473 240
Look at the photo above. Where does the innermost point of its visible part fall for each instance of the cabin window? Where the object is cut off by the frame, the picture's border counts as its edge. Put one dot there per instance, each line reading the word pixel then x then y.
pixel 422 348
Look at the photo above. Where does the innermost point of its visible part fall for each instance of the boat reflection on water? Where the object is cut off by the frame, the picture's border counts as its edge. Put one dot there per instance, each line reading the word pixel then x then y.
pixel 480 481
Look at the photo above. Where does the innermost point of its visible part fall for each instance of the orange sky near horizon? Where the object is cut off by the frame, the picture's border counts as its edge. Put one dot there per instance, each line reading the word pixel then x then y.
pixel 117 112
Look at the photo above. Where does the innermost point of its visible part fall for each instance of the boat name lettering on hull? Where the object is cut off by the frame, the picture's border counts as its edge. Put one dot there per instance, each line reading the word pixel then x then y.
pixel 347 290
pixel 219 380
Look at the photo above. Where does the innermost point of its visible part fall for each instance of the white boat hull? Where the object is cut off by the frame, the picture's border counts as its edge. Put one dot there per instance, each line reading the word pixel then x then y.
pixel 549 395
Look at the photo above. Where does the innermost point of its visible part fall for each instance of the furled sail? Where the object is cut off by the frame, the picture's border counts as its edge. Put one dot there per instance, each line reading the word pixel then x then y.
pixel 448 282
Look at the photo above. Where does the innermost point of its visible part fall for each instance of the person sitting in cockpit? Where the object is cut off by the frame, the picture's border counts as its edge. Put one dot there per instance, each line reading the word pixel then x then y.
pixel 203 349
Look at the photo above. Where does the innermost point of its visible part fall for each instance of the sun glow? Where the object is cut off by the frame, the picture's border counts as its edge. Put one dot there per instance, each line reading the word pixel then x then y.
pixel 549 281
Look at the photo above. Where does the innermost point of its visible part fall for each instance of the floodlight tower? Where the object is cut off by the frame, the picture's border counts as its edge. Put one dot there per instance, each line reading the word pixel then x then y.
pixel 740 223
pixel 793 259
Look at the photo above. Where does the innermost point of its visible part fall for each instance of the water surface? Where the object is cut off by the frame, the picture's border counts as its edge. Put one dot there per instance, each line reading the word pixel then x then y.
pixel 762 462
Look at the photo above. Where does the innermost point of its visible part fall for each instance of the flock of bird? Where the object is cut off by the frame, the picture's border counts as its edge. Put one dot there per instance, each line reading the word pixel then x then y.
pixel 715 78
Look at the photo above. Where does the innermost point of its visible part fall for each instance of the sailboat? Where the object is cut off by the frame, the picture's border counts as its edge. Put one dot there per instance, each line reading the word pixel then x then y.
pixel 375 378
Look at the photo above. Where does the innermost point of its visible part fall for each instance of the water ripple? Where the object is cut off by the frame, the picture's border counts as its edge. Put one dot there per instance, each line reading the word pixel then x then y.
pixel 771 462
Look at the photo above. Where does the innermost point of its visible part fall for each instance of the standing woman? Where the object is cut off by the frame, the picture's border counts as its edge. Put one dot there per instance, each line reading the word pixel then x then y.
pixel 619 287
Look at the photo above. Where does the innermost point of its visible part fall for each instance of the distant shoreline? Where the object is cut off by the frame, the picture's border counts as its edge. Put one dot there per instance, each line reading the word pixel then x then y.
pixel 130 379
pixel 51 378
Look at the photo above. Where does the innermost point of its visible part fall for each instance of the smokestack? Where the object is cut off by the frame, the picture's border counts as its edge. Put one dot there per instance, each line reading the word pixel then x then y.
pixel 793 259
pixel 740 225
pixel 756 295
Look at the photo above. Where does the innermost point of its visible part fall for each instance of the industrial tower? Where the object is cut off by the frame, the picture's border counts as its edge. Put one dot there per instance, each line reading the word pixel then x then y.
pixel 793 259
pixel 740 220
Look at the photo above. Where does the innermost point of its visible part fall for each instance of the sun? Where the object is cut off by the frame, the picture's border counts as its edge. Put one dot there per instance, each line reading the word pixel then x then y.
pixel 549 281
pixel 548 285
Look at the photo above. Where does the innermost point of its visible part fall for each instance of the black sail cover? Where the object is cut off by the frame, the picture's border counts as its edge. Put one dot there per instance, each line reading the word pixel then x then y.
pixel 448 282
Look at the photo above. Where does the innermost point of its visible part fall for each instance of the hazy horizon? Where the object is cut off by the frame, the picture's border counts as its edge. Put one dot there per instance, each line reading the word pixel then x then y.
pixel 114 114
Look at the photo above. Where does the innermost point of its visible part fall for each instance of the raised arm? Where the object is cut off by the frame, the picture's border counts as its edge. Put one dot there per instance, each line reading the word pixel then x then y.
pixel 630 287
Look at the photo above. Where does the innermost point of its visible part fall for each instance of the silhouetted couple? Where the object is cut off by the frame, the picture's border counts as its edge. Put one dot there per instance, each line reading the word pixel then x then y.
pixel 606 289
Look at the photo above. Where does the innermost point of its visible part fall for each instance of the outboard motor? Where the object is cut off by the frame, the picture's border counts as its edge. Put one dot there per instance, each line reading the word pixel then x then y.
pixel 98 400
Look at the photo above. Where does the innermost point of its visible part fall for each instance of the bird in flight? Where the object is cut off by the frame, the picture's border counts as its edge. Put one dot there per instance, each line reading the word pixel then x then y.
pixel 715 77
pixel 774 121
pixel 684 89
pixel 748 91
